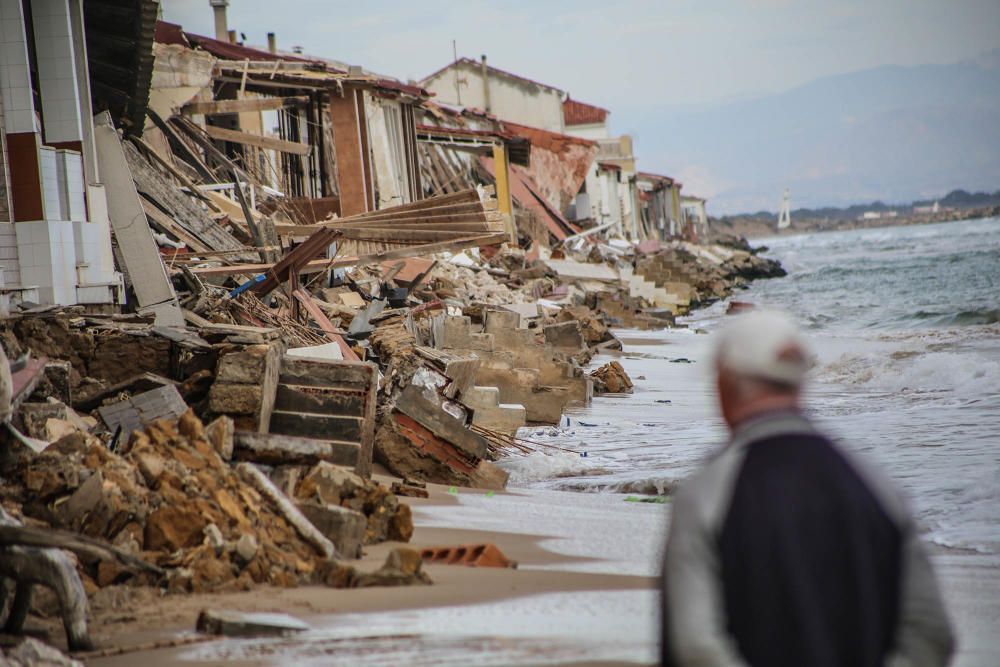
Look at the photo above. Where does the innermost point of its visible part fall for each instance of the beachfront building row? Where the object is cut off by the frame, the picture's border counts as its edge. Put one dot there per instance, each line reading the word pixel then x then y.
pixel 613 195
pixel 321 137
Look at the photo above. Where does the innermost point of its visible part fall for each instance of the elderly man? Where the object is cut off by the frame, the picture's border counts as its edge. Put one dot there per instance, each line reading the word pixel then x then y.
pixel 784 550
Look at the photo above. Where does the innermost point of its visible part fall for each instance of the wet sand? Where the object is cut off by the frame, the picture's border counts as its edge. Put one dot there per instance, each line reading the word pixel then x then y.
pixel 144 616
pixel 971 584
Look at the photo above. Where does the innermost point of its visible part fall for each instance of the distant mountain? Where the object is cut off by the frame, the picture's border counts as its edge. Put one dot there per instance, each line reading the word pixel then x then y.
pixel 890 133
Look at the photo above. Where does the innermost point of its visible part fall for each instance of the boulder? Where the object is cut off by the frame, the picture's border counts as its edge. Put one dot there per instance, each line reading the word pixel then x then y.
pixel 611 378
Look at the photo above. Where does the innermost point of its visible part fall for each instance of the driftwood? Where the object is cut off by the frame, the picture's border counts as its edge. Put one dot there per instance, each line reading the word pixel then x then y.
pixel 53 569
pixel 32 556
pixel 50 538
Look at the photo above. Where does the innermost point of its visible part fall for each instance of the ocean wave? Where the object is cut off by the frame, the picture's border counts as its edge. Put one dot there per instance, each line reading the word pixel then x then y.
pixel 971 520
pixel 972 317
pixel 538 466
pixel 916 371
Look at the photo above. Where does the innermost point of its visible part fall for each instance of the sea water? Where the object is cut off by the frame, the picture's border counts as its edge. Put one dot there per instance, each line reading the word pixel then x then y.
pixel 905 325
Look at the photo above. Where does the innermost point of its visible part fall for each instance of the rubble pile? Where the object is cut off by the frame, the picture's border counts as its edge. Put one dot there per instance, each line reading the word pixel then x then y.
pixel 385 517
pixel 169 497
pixel 255 340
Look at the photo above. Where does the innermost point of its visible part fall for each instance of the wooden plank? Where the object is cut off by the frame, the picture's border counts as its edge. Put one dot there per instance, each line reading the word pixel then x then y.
pixel 175 172
pixel 248 104
pixel 269 143
pixel 469 228
pixel 492 238
pixel 167 224
pixel 347 375
pixel 320 318
pixel 182 209
pixel 278 449
pixel 154 291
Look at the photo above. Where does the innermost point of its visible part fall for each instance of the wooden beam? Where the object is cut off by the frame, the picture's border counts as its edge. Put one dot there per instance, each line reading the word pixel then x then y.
pixel 269 143
pixel 494 238
pixel 237 106
pixel 320 318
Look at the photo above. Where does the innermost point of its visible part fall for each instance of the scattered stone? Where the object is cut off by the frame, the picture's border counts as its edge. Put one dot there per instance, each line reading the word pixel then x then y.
pixel 403 567
pixel 386 517
pixel 220 434
pixel 611 378
pixel 246 548
pixel 214 539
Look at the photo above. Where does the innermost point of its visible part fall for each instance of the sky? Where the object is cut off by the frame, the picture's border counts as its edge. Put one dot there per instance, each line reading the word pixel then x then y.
pixel 637 58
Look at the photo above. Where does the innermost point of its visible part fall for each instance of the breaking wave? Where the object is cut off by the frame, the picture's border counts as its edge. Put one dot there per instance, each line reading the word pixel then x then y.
pixel 919 365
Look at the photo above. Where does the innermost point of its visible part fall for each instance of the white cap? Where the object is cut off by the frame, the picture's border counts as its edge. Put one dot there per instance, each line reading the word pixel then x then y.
pixel 763 344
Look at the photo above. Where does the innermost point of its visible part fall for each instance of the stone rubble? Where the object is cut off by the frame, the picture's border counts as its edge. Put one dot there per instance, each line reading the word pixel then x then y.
pixel 272 459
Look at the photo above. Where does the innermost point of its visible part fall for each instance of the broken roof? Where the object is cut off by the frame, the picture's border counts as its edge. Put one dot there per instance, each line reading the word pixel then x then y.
pixel 658 179
pixel 579 113
pixel 171 33
pixel 494 70
pixel 551 141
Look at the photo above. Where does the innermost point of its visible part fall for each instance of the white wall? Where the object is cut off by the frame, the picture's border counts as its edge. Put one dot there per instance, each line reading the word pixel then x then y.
pixel 510 99
pixel 592 131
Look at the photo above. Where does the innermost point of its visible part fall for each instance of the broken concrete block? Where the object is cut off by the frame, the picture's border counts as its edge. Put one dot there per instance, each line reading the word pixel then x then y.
pixel 414 403
pixel 344 527
pixel 132 414
pixel 564 335
pixel 242 624
pixel 403 567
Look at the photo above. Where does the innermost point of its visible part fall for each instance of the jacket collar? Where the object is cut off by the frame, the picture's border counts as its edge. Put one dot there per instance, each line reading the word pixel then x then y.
pixel 769 425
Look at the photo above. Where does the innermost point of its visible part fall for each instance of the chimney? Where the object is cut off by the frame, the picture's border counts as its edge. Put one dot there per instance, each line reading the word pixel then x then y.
pixel 272 42
pixel 232 36
pixel 221 27
pixel 486 86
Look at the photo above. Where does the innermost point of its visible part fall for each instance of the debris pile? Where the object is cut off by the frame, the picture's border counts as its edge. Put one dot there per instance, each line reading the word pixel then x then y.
pixel 168 497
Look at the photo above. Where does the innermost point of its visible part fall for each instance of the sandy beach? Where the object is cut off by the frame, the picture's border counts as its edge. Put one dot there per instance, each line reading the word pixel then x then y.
pixel 581 609
pixel 576 576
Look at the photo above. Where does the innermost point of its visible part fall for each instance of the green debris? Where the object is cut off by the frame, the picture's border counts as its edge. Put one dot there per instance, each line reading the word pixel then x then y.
pixel 659 500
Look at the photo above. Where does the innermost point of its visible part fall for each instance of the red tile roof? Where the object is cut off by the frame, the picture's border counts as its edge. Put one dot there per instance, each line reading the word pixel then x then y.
pixel 476 63
pixel 579 113
pixel 551 141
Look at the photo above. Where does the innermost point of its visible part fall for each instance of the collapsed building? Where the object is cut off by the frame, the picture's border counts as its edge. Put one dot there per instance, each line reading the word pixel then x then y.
pixel 237 283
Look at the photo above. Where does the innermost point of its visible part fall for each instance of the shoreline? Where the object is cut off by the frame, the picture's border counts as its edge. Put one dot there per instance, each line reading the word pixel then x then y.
pixel 540 572
pixel 971 585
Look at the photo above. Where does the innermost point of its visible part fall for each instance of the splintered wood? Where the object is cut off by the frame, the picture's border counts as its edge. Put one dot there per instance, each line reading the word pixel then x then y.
pixel 448 223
